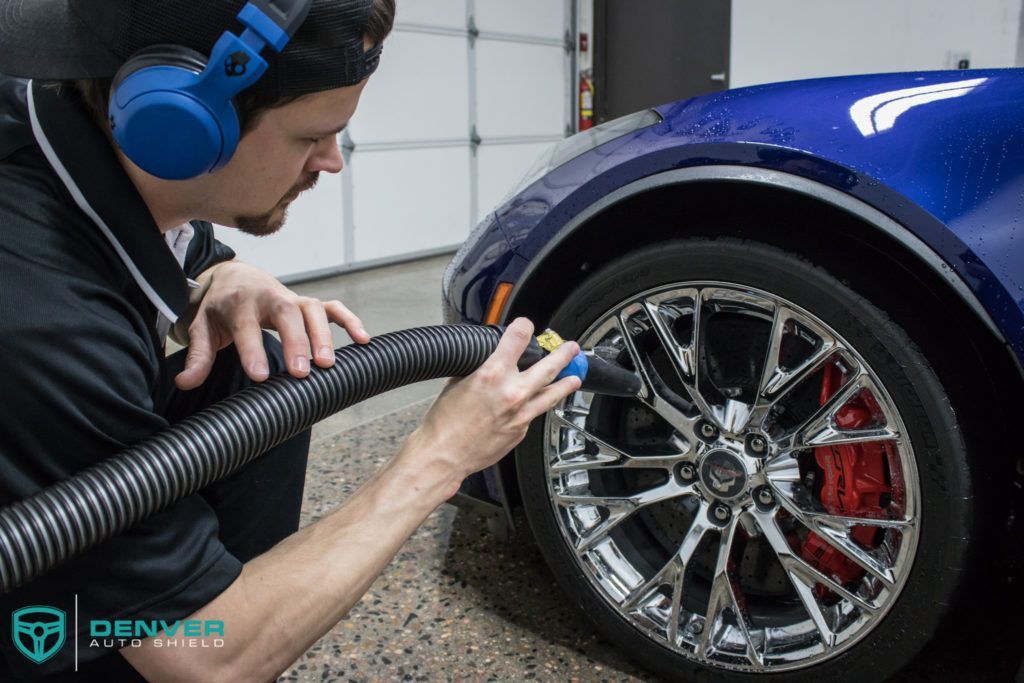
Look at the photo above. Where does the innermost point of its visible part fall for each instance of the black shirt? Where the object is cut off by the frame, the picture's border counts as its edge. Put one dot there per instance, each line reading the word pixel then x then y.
pixel 85 276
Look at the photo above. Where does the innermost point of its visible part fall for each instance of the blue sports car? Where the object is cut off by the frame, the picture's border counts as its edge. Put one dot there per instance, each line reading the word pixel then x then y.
pixel 821 286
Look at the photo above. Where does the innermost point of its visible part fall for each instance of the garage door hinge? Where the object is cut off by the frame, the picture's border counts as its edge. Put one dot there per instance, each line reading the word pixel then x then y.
pixel 347 147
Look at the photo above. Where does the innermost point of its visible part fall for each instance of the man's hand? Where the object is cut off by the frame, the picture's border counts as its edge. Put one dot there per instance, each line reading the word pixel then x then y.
pixel 478 419
pixel 238 301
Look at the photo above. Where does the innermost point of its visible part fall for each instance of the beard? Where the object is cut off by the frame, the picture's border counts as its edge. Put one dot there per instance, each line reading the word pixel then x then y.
pixel 268 223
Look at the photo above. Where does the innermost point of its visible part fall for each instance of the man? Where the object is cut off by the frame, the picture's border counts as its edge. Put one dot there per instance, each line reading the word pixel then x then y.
pixel 98 258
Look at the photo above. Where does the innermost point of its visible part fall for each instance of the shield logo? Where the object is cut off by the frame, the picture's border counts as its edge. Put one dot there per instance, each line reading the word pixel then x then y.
pixel 38 631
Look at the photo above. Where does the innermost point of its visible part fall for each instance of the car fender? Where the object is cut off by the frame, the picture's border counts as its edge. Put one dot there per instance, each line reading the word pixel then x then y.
pixel 870 215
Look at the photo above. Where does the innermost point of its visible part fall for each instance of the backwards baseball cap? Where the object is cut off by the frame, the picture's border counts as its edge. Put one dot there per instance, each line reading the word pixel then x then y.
pixel 73 39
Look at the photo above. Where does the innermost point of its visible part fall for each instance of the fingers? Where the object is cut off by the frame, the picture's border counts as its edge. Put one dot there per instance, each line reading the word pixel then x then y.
pixel 198 359
pixel 319 330
pixel 549 397
pixel 513 343
pixel 248 338
pixel 241 299
pixel 544 371
pixel 337 312
pixel 288 319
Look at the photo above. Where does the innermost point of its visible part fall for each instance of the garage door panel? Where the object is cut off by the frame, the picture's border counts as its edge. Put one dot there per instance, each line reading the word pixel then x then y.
pixel 540 18
pixel 409 200
pixel 417 93
pixel 521 89
pixel 443 13
pixel 311 239
pixel 501 167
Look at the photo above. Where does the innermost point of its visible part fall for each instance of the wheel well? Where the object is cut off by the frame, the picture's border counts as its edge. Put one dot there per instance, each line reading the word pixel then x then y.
pixel 976 367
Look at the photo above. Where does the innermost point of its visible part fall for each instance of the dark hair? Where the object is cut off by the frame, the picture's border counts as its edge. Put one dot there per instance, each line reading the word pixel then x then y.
pixel 249 104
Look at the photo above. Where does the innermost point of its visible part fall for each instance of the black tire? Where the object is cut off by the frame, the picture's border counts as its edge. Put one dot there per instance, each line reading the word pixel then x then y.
pixel 946 491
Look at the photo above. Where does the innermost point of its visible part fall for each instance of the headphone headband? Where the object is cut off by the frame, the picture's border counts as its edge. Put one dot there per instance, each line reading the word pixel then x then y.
pixel 287 14
pixel 177 123
pixel 272 22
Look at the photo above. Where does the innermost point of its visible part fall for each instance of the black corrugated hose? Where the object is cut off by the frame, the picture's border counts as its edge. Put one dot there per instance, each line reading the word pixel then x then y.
pixel 66 519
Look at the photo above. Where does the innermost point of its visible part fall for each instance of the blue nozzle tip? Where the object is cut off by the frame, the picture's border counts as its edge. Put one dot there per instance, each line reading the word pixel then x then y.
pixel 578 366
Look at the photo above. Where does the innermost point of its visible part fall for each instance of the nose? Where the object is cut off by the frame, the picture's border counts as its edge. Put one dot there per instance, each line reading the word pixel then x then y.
pixel 326 157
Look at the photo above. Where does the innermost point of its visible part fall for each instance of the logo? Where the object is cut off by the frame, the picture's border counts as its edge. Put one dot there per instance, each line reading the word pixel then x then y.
pixel 38 631
pixel 122 633
pixel 236 64
pixel 723 474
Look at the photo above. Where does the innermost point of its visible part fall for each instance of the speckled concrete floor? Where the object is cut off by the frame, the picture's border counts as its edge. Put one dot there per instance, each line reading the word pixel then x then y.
pixel 455 604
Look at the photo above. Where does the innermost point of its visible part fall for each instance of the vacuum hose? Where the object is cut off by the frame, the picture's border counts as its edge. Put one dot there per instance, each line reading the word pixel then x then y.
pixel 64 520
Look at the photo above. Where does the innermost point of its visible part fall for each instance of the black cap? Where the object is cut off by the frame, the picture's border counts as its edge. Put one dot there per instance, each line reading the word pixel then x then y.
pixel 72 39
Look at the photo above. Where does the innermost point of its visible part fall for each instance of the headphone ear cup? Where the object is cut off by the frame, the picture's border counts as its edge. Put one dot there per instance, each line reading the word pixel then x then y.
pixel 161 55
pixel 159 121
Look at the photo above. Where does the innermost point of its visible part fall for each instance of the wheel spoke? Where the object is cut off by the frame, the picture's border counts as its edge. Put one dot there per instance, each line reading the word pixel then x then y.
pixel 829 435
pixel 821 430
pixel 610 457
pixel 619 509
pixel 723 597
pixel 841 523
pixel 806 594
pixel 776 381
pixel 653 389
pixel 673 574
pixel 782 470
pixel 801 572
pixel 837 535
pixel 676 565
pixel 685 359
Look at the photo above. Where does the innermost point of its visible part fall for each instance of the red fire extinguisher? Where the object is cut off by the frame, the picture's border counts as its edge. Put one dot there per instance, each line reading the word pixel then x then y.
pixel 586 101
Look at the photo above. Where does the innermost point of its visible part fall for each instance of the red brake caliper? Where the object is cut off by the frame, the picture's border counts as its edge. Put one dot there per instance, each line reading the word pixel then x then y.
pixel 855 484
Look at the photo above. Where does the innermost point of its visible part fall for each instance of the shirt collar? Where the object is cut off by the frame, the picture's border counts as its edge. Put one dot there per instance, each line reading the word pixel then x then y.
pixel 84 160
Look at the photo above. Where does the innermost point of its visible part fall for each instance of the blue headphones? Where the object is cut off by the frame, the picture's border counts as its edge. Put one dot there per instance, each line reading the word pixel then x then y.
pixel 170 108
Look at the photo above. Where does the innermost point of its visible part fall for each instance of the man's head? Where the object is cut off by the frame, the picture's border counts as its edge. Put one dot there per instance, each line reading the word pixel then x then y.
pixel 289 118
pixel 282 153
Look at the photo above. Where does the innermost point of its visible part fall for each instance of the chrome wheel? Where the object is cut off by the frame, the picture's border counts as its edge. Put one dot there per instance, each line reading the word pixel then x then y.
pixel 756 507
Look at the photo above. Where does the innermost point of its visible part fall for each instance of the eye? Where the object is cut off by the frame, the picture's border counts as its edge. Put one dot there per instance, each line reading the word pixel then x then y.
pixel 314 140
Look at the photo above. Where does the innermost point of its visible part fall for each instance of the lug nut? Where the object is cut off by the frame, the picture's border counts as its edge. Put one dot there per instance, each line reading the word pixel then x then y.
pixel 758 444
pixel 765 497
pixel 687 472
pixel 708 431
pixel 721 513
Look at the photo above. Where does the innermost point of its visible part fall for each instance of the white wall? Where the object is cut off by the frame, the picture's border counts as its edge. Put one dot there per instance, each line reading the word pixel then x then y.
pixel 776 40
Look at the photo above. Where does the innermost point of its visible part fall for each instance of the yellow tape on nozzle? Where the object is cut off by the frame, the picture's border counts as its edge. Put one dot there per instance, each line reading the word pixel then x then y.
pixel 549 340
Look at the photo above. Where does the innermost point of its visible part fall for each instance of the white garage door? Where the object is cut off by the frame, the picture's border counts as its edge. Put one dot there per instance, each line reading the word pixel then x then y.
pixel 467 94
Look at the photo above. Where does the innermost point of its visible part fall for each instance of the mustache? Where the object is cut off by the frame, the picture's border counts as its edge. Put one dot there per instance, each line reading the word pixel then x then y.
pixel 307 183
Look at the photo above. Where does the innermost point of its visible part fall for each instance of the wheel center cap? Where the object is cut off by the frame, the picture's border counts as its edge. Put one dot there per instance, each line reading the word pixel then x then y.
pixel 723 474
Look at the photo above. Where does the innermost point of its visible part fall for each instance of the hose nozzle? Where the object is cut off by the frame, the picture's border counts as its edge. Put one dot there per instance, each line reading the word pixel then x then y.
pixel 598 375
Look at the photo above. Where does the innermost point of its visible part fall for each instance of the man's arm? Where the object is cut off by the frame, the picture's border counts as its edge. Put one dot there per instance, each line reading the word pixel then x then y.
pixel 285 599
